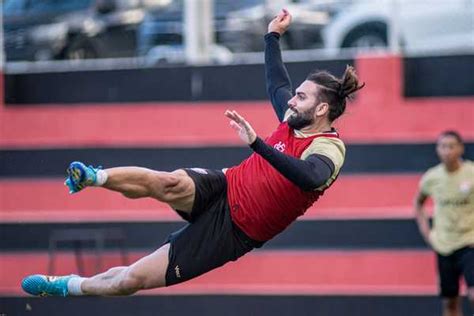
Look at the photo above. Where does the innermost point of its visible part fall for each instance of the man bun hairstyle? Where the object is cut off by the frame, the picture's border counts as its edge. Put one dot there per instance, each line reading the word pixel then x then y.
pixel 335 91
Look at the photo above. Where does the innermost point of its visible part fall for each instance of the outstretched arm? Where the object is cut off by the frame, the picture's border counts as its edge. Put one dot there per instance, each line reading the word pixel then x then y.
pixel 278 81
pixel 307 174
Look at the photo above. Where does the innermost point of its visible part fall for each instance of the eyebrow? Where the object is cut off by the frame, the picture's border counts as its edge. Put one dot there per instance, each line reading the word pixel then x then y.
pixel 299 93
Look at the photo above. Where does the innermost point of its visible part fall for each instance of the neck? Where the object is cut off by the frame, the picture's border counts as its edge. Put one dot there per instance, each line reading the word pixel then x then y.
pixel 317 127
pixel 453 166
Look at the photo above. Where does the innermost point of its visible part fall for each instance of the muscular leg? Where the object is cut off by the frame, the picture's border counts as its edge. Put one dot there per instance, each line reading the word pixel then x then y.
pixel 175 188
pixel 452 306
pixel 148 272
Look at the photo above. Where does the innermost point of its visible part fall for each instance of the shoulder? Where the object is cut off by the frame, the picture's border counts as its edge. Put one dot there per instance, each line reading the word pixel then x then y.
pixel 469 164
pixel 429 177
pixel 331 147
pixel 325 144
pixel 433 172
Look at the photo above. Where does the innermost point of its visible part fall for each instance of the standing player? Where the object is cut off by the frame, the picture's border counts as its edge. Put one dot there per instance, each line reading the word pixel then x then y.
pixel 233 211
pixel 451 185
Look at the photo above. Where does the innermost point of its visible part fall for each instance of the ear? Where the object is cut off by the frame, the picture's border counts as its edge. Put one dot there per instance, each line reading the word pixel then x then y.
pixel 322 109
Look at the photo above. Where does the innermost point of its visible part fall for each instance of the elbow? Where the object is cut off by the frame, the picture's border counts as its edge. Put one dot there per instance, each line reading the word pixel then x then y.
pixel 311 184
pixel 317 178
pixel 417 208
pixel 308 188
pixel 418 202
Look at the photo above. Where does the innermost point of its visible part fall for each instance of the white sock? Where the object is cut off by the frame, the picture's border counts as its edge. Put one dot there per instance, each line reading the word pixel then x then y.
pixel 74 286
pixel 101 178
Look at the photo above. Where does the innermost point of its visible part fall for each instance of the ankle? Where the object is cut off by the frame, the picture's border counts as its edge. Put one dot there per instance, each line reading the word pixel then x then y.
pixel 74 286
pixel 100 178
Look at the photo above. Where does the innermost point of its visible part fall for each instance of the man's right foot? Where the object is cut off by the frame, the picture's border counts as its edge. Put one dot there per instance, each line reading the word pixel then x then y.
pixel 80 176
pixel 45 285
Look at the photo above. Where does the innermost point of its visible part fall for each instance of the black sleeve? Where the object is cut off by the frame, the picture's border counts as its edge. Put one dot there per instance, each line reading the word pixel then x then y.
pixel 307 174
pixel 278 81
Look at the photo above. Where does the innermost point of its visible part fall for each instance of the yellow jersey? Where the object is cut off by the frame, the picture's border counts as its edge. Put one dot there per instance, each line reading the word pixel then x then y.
pixel 453 197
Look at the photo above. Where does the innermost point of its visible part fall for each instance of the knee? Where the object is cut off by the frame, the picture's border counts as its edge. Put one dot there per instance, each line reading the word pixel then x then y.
pixel 151 184
pixel 168 187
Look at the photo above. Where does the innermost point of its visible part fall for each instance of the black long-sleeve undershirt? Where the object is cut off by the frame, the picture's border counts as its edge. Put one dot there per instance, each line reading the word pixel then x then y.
pixel 307 174
pixel 279 87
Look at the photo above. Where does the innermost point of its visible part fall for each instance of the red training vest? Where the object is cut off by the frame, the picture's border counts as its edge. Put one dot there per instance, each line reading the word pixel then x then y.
pixel 262 201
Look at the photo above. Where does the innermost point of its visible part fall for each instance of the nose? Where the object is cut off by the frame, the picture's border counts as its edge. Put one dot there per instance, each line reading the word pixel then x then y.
pixel 292 103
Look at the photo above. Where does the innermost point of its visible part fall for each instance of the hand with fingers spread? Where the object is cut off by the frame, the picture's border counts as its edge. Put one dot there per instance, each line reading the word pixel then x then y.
pixel 280 23
pixel 241 126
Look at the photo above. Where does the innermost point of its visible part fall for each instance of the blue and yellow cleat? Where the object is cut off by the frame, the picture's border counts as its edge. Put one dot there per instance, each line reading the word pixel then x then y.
pixel 80 176
pixel 45 285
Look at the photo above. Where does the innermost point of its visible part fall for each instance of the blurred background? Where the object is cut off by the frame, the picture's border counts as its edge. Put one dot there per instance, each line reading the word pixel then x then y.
pixel 156 29
pixel 146 82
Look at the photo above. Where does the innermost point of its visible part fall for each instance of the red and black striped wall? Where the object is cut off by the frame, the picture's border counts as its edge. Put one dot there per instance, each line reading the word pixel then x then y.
pixel 357 251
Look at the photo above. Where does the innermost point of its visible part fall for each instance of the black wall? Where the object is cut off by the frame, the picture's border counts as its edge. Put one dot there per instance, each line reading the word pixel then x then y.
pixel 361 158
pixel 238 82
pixel 450 76
pixel 308 234
pixel 423 77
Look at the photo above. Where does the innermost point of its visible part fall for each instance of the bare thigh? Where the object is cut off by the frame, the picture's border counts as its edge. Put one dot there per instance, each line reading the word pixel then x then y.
pixel 151 270
pixel 175 188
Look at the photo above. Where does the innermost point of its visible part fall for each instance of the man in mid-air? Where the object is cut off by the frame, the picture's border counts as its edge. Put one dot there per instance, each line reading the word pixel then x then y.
pixel 230 211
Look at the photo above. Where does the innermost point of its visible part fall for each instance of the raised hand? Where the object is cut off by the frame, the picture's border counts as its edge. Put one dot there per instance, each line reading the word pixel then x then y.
pixel 280 23
pixel 241 126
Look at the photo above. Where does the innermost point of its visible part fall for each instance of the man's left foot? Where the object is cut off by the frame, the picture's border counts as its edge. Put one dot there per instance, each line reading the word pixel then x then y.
pixel 80 176
pixel 46 285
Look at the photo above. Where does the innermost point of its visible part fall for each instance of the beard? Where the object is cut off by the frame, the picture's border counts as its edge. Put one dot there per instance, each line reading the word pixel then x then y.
pixel 301 120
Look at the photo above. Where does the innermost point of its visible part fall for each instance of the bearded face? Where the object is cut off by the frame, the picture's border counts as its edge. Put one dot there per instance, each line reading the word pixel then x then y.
pixel 299 120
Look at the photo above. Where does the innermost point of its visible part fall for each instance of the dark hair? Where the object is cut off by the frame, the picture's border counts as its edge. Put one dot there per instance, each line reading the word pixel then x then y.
pixel 335 91
pixel 452 133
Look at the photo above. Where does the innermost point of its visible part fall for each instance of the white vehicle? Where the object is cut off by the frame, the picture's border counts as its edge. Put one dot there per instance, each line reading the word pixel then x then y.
pixel 412 25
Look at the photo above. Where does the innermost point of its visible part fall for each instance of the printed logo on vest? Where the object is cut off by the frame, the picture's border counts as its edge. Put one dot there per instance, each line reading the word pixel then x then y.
pixel 280 146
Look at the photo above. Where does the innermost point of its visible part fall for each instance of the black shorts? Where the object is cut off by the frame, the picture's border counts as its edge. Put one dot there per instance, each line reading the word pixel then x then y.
pixel 210 239
pixel 452 267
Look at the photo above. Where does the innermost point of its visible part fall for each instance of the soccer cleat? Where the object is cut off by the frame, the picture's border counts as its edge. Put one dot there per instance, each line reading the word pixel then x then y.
pixel 45 285
pixel 80 176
